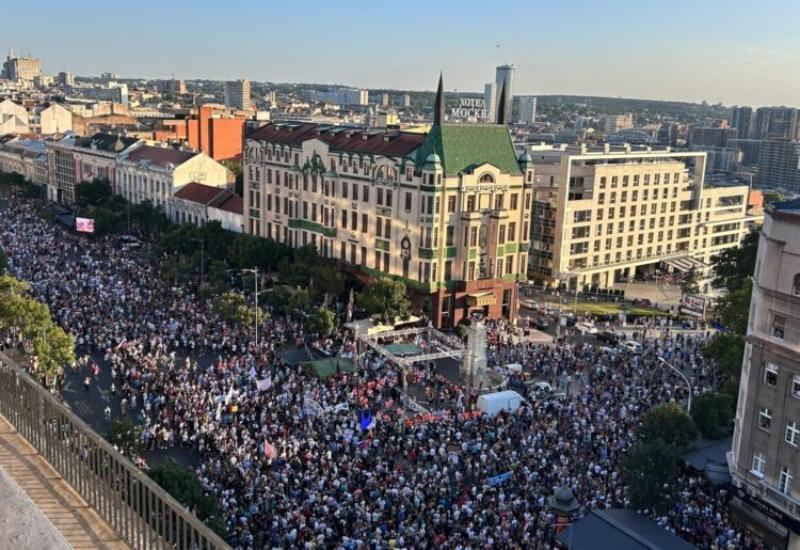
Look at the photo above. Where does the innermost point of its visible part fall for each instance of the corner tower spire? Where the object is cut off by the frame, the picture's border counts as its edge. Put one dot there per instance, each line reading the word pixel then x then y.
pixel 501 105
pixel 438 104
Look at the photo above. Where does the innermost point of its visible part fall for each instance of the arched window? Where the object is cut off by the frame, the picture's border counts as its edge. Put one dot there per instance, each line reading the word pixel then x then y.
pixel 486 178
pixel 796 285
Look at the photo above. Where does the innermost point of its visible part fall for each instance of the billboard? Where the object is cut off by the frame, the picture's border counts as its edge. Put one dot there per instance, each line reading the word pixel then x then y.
pixel 693 305
pixel 84 225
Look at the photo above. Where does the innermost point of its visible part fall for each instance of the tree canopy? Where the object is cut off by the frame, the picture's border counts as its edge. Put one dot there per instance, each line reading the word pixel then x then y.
pixel 734 266
pixel 93 193
pixel 713 414
pixel 651 469
pixel 668 423
pixel 387 299
pixel 733 309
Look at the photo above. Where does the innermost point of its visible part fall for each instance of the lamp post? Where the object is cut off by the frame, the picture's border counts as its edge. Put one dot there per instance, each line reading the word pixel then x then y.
pixel 688 384
pixel 255 272
pixel 202 257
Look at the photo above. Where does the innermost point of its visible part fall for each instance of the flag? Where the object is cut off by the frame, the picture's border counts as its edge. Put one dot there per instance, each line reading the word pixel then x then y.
pixel 366 421
pixel 341 407
pixel 252 372
pixel 218 415
pixel 269 450
pixel 265 384
pixel 499 479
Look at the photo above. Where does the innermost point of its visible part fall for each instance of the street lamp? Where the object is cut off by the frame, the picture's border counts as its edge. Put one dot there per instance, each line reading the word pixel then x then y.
pixel 202 242
pixel 255 272
pixel 688 384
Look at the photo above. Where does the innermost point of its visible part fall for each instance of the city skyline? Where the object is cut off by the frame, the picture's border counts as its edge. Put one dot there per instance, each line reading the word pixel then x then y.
pixel 554 48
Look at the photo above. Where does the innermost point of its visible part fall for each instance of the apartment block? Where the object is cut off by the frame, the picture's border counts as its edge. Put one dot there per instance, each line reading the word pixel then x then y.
pixel 601 213
pixel 764 457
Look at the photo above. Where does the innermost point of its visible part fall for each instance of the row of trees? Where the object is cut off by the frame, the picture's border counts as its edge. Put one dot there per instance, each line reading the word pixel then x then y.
pixel 31 320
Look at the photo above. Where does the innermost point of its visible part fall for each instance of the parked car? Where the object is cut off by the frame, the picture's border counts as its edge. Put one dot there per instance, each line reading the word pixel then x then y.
pixel 540 323
pixel 608 337
pixel 642 302
pixel 631 346
pixel 541 389
pixel 585 328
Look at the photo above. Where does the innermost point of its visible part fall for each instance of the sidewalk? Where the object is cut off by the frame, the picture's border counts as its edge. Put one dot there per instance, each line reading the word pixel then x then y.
pixel 53 497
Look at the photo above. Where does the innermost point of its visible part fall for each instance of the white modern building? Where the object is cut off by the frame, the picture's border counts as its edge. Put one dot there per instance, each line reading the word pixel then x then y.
pixel 505 74
pixel 527 109
pixel 237 94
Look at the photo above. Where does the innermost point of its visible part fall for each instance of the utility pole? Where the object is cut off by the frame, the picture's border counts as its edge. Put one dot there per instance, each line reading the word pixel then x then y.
pixel 254 270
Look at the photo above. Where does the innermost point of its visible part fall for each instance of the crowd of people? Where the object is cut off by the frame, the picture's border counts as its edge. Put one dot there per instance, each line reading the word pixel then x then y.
pixel 348 461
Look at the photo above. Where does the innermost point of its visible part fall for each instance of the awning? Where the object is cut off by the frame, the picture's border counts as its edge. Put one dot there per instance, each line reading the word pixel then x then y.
pixel 480 299
pixel 685 264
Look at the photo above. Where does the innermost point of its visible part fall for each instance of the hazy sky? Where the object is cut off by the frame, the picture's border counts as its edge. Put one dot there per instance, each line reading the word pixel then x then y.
pixel 733 51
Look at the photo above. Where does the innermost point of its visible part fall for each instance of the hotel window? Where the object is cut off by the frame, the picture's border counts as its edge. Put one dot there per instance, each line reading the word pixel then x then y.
pixel 388 229
pixel 378 259
pixel 624 182
pixel 796 385
pixel 778 326
pixel 785 480
pixel 379 198
pixel 764 418
pixel 364 223
pixel 408 202
pixel 354 221
pixel 344 219
pixel 448 270
pixel 601 198
pixel 613 182
pixel 449 235
pixel 603 182
pixel 511 235
pixel 389 194
pixel 498 202
pixel 343 251
pixel 792 435
pixel 509 265
pixel 365 194
pixel 759 464
pixel 501 239
pixel 379 226
pixel 345 185
pixel 364 258
pixel 771 374
pixel 527 201
pixel 796 285
pixel 513 201
pixel 473 236
pixel 471 203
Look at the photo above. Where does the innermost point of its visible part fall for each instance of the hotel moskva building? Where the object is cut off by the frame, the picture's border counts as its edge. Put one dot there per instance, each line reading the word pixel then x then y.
pixel 447 212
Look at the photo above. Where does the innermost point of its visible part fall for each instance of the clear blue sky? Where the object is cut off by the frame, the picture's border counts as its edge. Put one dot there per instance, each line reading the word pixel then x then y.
pixel 734 51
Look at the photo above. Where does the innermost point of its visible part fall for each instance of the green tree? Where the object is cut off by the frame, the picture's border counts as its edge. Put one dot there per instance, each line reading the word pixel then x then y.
pixel 733 308
pixel 233 308
pixel 326 281
pixel 298 304
pixel 726 349
pixel 126 436
pixel 689 284
pixel 387 299
pixel 238 173
pixel 668 423
pixel 93 193
pixel 185 487
pixel 322 321
pixel 713 414
pixel 733 266
pixel 651 469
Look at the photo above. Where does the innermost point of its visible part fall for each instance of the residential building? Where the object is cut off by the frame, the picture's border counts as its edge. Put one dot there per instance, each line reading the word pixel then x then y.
pixel 599 214
pixel 778 165
pixel 237 94
pixel 54 118
pixel 13 118
pixel 211 129
pixel 616 123
pixel 154 174
pixel 706 136
pixel 750 149
pixel 338 96
pixel 527 109
pixel 504 75
pixel 66 79
pixel 172 86
pixel 406 100
pixel 446 212
pixel 742 121
pixel 114 91
pixel 764 457
pixel 490 100
pixel 21 68
pixel 777 123
pixel 198 204
pixel 72 160
pixel 27 157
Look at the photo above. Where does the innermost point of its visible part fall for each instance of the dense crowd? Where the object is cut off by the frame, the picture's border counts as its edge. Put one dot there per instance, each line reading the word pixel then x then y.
pixel 348 461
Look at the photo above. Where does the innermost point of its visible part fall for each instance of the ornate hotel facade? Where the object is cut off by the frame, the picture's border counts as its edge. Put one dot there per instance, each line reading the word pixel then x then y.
pixel 447 212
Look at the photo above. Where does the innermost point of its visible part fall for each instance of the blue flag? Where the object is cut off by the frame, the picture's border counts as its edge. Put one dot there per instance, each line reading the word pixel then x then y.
pixel 365 420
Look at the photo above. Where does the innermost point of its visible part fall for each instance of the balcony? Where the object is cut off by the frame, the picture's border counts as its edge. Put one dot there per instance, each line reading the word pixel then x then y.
pixel 785 502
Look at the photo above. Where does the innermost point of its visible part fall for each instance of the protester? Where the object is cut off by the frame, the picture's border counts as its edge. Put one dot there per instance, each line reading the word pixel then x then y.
pixel 350 461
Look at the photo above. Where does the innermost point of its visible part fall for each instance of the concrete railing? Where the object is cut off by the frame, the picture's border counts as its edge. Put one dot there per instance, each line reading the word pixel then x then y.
pixel 135 507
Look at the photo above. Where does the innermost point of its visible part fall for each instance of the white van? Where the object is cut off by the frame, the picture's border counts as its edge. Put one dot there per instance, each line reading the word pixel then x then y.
pixel 493 403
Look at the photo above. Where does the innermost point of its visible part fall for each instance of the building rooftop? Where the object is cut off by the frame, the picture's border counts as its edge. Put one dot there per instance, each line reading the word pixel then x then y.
pixel 160 156
pixel 341 138
pixel 619 529
pixel 232 203
pixel 790 207
pixel 462 147
pixel 199 193
pixel 108 143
